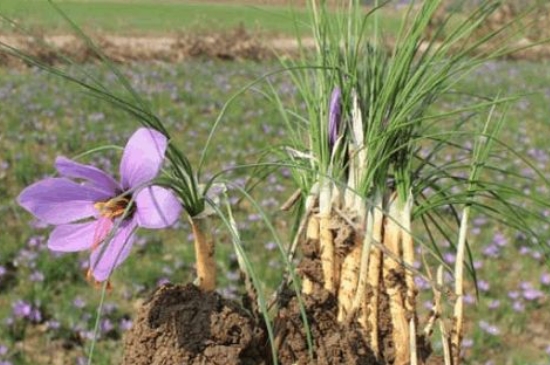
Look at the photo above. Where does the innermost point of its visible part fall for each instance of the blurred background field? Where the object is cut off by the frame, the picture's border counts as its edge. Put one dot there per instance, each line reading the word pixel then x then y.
pixel 161 17
pixel 48 309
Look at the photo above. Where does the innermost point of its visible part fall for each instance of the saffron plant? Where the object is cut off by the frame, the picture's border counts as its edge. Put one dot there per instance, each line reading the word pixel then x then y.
pixel 100 214
pixel 368 114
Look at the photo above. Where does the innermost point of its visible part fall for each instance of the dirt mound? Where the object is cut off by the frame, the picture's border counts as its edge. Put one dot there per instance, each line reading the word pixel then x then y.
pixel 182 325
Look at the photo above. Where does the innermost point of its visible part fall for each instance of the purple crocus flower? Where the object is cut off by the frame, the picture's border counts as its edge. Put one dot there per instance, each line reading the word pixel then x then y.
pixel 334 116
pixel 111 210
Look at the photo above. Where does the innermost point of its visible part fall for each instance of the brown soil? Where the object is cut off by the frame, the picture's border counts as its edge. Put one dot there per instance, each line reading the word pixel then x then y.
pixel 333 343
pixel 182 325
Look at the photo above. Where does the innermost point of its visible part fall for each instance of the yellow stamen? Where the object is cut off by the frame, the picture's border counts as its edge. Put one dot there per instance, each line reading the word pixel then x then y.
pixel 112 208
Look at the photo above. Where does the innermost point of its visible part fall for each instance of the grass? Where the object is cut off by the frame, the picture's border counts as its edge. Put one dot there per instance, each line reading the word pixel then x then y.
pixel 147 16
pixel 157 17
pixel 40 118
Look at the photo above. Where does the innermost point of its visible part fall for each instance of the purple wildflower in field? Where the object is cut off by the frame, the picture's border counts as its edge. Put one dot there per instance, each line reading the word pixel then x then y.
pixel 545 279
pixel 518 306
pixel 492 251
pixel 494 304
pixel 79 303
pixel 334 116
pixel 532 294
pixel 488 328
pixel 21 309
pixel 162 281
pixel 125 324
pixel 469 299
pixel 117 209
pixel 467 343
pixel 53 325
pixel 421 283
pixel 449 257
pixel 483 285
pixel 500 240
pixel 3 350
pixel 106 325
pixel 524 250
pixel 3 271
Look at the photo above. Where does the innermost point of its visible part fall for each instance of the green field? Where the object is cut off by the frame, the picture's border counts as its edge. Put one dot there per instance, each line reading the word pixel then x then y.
pixel 162 17
pixel 146 16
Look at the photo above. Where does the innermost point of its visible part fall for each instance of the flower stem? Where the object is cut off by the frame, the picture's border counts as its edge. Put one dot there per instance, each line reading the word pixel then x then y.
pixel 204 251
pixel 394 282
pixel 408 258
pixel 459 287
pixel 370 308
pixel 325 233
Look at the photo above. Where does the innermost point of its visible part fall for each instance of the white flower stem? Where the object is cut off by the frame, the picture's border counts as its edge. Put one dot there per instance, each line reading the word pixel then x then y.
pixel 459 286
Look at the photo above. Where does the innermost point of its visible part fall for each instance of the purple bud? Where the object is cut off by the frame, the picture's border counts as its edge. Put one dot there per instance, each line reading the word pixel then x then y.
pixel 334 116
pixel 545 279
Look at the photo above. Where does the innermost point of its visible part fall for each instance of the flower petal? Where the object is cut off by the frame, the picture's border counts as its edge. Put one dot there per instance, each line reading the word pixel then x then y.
pixel 69 168
pixel 157 207
pixel 60 201
pixel 142 157
pixel 74 237
pixel 105 258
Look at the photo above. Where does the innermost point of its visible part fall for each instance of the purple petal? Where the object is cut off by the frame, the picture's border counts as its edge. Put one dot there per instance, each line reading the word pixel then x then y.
pixel 157 207
pixel 142 157
pixel 60 201
pixel 109 255
pixel 73 237
pixel 99 179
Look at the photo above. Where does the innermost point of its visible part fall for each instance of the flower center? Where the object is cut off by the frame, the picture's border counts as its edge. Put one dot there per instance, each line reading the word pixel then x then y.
pixel 115 207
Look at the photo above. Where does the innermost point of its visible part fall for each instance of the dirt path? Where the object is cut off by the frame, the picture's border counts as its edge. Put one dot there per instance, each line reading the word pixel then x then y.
pixel 233 45
pixel 237 44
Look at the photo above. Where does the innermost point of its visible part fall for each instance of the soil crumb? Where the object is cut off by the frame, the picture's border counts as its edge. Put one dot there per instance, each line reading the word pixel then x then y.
pixel 183 325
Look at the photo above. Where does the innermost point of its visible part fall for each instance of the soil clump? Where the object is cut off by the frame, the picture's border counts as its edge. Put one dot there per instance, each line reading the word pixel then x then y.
pixel 182 325
pixel 333 343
